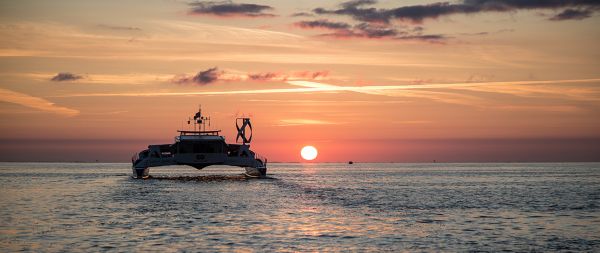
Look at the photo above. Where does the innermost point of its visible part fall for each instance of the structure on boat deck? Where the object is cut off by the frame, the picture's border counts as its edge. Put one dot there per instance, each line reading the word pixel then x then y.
pixel 201 148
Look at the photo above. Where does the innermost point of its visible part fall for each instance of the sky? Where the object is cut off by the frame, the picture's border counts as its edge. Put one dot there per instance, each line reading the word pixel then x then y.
pixel 363 80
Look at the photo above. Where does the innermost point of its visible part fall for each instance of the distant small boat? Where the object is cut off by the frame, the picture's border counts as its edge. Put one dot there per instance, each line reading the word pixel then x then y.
pixel 201 148
pixel 350 162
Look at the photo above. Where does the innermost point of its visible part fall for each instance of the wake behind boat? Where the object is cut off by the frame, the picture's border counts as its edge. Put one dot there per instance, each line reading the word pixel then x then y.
pixel 201 148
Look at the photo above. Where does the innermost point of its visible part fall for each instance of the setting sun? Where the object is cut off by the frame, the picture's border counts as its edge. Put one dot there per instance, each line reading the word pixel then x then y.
pixel 309 153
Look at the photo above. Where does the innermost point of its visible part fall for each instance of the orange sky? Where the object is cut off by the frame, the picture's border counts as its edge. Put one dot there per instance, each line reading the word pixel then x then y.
pixel 100 80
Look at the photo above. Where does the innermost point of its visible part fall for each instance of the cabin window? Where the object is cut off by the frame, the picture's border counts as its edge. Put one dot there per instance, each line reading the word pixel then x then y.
pixel 201 147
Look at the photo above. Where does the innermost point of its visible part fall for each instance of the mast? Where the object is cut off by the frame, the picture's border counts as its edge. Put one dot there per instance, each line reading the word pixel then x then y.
pixel 199 121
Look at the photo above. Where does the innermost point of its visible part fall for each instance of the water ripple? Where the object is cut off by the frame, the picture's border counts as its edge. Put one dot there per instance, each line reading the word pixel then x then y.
pixel 322 207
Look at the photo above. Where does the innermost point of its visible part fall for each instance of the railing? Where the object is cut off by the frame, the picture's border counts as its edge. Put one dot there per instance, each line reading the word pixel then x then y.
pixel 196 133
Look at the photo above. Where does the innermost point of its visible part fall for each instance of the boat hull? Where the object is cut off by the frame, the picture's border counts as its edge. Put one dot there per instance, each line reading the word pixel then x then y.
pixel 256 172
pixel 140 173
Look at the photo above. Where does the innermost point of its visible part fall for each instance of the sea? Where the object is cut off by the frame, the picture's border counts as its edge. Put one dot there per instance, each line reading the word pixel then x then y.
pixel 363 207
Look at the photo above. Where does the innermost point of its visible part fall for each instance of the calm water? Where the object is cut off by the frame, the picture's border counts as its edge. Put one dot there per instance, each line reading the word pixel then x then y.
pixel 318 207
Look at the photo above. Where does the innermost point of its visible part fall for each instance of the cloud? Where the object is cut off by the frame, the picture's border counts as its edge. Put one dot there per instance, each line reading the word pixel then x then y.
pixel 275 76
pixel 487 33
pixel 356 3
pixel 65 76
pixel 207 76
pixel 417 13
pixel 214 74
pixel 230 9
pixel 302 14
pixel 370 31
pixel 449 93
pixel 353 10
pixel 444 92
pixel 299 122
pixel 322 23
pixel 112 79
pixel 202 78
pixel 434 38
pixel 528 89
pixel 263 76
pixel 119 28
pixel 35 102
pixel 272 76
pixel 376 31
pixel 540 108
pixel 310 74
pixel 572 14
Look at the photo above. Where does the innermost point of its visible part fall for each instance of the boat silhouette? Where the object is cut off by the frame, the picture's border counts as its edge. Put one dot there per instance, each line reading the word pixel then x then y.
pixel 201 148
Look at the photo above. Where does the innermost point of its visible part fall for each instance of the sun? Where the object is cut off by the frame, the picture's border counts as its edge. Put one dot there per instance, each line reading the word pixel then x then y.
pixel 308 153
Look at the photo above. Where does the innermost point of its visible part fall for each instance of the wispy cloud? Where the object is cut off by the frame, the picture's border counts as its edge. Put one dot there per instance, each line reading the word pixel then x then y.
pixel 445 92
pixel 302 14
pixel 212 75
pixel 112 79
pixel 450 92
pixel 438 86
pixel 193 41
pixel 299 122
pixel 337 102
pixel 196 93
pixel 572 14
pixel 165 40
pixel 35 102
pixel 120 28
pixel 230 9
pixel 316 86
pixel 544 89
pixel 542 108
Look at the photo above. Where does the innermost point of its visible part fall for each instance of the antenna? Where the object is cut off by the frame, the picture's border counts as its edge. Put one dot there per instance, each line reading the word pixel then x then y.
pixel 201 120
pixel 202 125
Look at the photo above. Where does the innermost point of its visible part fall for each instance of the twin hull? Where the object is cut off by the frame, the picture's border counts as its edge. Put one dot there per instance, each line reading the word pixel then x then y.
pixel 165 155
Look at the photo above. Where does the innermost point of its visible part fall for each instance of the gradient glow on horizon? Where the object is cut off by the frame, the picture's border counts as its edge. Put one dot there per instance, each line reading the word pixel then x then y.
pixel 100 80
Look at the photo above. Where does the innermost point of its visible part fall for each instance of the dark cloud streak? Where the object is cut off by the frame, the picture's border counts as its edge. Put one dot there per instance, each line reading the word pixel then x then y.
pixel 213 75
pixel 207 76
pixel 370 31
pixel 433 38
pixel 322 23
pixel 202 78
pixel 65 77
pixel 263 76
pixel 572 14
pixel 302 14
pixel 228 9
pixel 374 31
pixel 417 13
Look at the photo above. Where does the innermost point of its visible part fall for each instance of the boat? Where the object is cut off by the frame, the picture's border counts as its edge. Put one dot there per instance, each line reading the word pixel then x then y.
pixel 201 148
